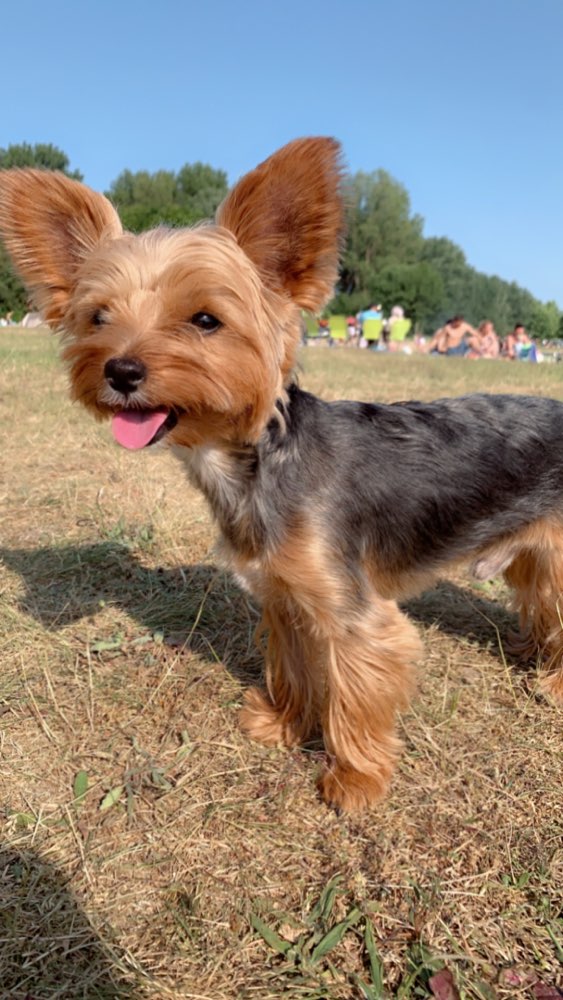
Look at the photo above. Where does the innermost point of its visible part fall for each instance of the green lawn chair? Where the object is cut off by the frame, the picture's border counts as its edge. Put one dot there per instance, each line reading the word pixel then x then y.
pixel 372 330
pixel 311 326
pixel 399 331
pixel 338 329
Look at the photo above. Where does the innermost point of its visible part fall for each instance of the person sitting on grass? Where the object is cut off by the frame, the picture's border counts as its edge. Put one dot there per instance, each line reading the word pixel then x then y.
pixel 525 347
pixel 488 345
pixel 397 316
pixel 353 331
pixel 518 346
pixel 456 338
pixel 374 312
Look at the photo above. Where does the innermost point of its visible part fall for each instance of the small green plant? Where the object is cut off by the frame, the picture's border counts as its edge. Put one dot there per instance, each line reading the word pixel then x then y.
pixel 140 537
pixel 309 956
pixel 80 788
pixel 420 966
pixel 142 773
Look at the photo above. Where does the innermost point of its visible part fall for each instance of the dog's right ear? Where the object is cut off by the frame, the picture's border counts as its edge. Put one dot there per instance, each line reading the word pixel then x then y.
pixel 50 224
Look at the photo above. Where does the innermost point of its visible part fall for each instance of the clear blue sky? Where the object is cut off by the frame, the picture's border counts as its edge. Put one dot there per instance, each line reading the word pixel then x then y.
pixel 461 100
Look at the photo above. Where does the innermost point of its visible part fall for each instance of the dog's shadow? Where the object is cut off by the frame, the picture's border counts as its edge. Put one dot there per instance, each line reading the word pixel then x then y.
pixel 197 606
pixel 49 946
pixel 201 606
pixel 67 583
pixel 462 613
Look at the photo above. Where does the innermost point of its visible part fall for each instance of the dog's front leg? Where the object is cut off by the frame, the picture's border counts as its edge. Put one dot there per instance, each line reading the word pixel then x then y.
pixel 370 656
pixel 342 659
pixel 290 710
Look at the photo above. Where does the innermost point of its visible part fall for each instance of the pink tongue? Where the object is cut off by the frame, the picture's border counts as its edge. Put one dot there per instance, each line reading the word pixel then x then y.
pixel 135 428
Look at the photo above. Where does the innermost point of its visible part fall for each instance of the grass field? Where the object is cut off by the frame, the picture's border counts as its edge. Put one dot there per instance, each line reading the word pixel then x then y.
pixel 147 849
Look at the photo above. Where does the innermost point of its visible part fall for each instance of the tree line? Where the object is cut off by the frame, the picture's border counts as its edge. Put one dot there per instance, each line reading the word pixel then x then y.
pixel 386 257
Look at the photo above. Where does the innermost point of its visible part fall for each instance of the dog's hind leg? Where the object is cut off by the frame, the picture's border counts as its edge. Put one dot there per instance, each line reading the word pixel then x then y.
pixel 536 574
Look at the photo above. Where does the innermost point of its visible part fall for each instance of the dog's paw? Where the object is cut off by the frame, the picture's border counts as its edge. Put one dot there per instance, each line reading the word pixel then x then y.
pixel 262 721
pixel 521 645
pixel 550 684
pixel 350 791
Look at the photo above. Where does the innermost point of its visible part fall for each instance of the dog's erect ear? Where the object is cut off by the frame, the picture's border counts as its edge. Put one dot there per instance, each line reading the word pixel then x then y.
pixel 287 215
pixel 49 224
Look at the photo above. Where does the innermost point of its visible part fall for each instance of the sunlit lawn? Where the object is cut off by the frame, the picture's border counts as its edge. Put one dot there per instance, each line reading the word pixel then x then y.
pixel 150 850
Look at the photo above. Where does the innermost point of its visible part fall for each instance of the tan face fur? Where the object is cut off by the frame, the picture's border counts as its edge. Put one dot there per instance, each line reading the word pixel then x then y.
pixel 143 292
pixel 272 251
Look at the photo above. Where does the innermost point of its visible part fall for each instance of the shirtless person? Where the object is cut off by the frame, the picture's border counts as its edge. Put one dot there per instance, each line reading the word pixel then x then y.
pixel 455 338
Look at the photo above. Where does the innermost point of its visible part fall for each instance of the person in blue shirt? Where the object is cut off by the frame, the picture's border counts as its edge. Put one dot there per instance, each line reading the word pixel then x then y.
pixel 374 312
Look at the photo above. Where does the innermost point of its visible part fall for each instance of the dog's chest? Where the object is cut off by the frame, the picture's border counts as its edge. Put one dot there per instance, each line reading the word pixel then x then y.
pixel 216 474
pixel 226 481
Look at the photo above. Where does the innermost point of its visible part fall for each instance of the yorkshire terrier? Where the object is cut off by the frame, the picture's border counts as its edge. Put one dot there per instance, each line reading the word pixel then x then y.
pixel 329 513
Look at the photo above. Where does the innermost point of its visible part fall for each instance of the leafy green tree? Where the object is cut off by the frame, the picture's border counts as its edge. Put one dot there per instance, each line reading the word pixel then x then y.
pixel 381 231
pixel 481 296
pixel 448 260
pixel 144 200
pixel 201 188
pixel 522 305
pixel 488 299
pixel 418 288
pixel 546 321
pixel 13 296
pixel 42 155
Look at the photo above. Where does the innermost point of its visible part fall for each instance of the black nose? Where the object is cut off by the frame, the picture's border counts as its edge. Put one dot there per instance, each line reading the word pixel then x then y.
pixel 124 374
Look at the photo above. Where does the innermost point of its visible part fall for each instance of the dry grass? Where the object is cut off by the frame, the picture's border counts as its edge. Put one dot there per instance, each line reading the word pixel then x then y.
pixel 148 850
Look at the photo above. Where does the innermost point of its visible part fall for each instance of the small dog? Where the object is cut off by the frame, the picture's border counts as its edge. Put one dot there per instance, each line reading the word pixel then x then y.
pixel 328 512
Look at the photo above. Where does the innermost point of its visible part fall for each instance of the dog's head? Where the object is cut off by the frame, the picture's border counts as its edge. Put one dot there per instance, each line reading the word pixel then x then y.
pixel 189 333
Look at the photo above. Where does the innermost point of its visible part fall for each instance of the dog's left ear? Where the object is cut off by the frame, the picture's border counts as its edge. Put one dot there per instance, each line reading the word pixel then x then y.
pixel 287 215
pixel 50 224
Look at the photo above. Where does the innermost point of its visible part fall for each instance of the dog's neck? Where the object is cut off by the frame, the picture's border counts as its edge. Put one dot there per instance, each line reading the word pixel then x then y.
pixel 230 475
pixel 222 473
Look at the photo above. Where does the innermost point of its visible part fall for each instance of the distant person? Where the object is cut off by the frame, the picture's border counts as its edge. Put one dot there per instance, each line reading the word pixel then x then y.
pixel 353 331
pixel 374 312
pixel 460 336
pixel 456 338
pixel 518 346
pixel 397 313
pixel 438 342
pixel 397 316
pixel 487 345
pixel 509 343
pixel 525 347
pixel 31 320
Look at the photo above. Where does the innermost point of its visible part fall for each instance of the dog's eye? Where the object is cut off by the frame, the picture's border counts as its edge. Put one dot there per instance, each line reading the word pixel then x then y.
pixel 98 318
pixel 206 322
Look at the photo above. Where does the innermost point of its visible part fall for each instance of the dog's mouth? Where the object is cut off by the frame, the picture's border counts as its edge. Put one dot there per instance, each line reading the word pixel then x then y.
pixel 136 429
